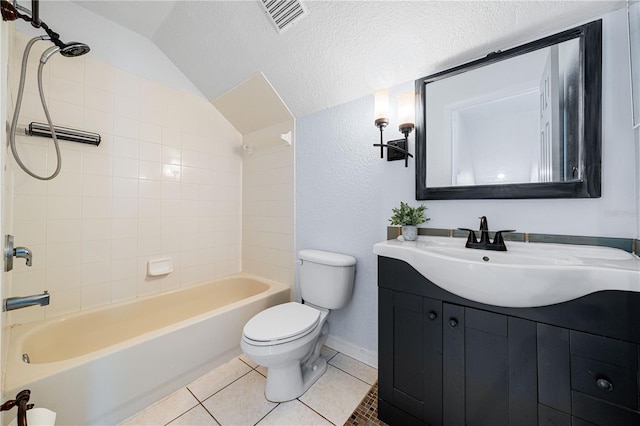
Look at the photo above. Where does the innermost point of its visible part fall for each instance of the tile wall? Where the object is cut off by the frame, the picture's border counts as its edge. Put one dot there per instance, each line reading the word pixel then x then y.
pixel 268 210
pixel 166 181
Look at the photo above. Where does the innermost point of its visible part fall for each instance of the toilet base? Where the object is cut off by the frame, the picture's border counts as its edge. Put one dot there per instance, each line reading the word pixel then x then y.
pixel 283 384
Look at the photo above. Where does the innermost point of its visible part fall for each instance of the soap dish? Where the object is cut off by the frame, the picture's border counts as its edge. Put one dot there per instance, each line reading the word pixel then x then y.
pixel 159 267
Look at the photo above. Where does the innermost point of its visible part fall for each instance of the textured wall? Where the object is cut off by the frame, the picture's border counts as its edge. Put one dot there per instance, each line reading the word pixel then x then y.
pixel 345 193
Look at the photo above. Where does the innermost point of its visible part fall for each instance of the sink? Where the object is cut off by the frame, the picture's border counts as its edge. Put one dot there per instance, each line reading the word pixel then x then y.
pixel 527 275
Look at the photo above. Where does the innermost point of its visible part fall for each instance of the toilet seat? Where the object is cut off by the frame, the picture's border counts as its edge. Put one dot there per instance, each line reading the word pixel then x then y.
pixel 281 323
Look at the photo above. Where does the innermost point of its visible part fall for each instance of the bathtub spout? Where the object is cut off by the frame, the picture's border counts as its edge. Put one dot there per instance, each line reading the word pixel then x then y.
pixel 12 303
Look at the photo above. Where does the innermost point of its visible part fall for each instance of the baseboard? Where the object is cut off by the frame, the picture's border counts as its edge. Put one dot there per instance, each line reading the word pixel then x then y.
pixel 356 352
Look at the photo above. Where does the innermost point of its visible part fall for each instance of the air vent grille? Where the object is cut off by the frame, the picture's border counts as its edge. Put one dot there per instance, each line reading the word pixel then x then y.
pixel 284 13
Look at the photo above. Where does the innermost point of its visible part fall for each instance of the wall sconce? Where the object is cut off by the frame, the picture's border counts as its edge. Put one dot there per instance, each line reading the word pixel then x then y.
pixel 396 149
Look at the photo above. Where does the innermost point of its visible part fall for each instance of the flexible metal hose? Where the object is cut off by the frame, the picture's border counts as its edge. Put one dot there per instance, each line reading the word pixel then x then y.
pixel 16 114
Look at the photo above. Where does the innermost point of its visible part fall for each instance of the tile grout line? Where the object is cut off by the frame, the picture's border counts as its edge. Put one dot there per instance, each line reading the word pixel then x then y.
pixel 224 387
pixel 355 377
pixel 205 408
pixel 182 414
pixel 310 408
pixel 270 411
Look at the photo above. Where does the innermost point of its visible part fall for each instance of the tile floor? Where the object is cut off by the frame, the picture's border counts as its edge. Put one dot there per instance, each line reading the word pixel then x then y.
pixel 233 394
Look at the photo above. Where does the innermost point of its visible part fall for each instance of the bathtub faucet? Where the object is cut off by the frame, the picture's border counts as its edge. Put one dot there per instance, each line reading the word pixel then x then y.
pixel 12 303
pixel 21 401
pixel 23 253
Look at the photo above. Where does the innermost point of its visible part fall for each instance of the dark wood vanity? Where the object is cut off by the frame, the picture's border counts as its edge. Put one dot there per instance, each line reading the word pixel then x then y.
pixel 446 360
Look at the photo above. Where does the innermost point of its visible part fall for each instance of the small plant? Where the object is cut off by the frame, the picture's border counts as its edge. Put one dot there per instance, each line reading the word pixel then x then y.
pixel 407 215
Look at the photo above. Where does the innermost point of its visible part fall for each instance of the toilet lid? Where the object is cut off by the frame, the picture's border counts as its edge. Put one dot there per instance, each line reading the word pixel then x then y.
pixel 282 322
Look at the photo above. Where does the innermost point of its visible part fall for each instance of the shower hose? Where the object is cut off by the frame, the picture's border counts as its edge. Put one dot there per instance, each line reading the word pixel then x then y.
pixel 16 113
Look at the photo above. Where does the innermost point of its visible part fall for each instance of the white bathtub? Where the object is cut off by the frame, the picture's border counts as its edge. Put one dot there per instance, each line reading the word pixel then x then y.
pixel 100 367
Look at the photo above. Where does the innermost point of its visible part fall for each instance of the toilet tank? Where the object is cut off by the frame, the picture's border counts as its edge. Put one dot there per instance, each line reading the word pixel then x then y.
pixel 326 278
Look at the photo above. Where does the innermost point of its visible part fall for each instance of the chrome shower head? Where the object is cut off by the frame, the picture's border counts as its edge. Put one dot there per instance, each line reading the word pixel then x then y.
pixel 69 50
pixel 73 49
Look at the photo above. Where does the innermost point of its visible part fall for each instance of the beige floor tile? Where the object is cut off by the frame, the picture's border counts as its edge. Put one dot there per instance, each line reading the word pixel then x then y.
pixel 218 378
pixel 262 370
pixel 242 402
pixel 362 371
pixel 335 395
pixel 327 352
pixel 197 416
pixel 248 361
pixel 293 413
pixel 165 410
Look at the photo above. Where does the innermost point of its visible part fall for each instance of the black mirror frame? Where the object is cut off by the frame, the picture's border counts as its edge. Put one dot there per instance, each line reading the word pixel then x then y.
pixel 590 186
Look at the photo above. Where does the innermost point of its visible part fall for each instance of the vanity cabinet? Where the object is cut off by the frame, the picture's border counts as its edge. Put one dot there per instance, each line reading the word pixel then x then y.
pixel 445 360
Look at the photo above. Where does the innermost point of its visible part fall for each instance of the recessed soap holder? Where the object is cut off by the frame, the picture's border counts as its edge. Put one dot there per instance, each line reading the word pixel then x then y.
pixel 159 267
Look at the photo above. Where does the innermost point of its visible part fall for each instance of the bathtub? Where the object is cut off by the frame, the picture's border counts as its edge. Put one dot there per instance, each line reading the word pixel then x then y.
pixel 102 366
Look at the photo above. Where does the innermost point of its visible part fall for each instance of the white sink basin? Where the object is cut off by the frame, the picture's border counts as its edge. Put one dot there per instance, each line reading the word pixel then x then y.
pixel 527 275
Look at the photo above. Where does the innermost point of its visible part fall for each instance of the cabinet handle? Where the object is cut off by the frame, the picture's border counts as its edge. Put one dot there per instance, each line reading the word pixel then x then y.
pixel 432 315
pixel 453 323
pixel 604 385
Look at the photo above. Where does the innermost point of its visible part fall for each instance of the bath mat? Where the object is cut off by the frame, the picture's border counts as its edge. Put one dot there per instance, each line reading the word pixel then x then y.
pixel 367 412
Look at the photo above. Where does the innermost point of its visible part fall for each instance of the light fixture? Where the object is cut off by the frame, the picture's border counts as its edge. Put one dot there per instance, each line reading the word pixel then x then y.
pixel 396 149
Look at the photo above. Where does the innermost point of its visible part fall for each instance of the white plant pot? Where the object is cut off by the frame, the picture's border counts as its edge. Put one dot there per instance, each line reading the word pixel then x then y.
pixel 409 232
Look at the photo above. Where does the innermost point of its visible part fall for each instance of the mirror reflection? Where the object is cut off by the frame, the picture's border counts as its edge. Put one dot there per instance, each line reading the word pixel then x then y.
pixel 512 121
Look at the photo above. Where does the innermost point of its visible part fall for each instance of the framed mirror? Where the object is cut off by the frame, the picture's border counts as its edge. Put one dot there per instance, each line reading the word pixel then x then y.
pixel 519 123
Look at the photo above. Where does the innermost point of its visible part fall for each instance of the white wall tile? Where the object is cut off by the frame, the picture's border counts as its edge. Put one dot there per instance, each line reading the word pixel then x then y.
pixel 161 183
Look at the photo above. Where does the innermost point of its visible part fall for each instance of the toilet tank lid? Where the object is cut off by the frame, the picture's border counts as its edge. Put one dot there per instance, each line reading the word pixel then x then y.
pixel 327 258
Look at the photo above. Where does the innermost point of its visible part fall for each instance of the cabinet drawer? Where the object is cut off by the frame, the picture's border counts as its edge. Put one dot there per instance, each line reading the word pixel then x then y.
pixel 602 413
pixel 606 381
pixel 611 351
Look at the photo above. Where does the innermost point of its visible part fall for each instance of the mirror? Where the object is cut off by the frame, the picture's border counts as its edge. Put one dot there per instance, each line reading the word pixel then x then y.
pixel 522 123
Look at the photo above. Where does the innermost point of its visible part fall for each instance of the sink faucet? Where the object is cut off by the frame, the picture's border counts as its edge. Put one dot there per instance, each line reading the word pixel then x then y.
pixel 12 303
pixel 485 243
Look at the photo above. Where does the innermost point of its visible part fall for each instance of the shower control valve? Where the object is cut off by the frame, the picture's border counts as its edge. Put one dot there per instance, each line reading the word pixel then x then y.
pixel 10 252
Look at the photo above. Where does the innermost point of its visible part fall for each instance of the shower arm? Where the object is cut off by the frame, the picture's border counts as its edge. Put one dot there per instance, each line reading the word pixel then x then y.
pixel 10 12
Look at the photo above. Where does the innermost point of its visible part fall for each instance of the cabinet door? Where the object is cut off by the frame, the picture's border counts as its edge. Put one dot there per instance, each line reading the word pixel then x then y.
pixel 432 361
pixel 400 352
pixel 500 370
pixel 453 380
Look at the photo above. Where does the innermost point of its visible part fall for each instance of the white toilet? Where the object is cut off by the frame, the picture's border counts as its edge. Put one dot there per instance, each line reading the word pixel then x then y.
pixel 287 338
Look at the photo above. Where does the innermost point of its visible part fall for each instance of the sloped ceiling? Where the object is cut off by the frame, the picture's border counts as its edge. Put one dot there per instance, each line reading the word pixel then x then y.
pixel 342 50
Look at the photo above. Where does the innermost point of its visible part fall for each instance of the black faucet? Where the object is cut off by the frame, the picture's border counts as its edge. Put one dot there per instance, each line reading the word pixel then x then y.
pixel 485 243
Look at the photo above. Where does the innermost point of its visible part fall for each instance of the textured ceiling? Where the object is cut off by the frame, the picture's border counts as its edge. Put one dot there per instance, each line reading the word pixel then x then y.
pixel 342 50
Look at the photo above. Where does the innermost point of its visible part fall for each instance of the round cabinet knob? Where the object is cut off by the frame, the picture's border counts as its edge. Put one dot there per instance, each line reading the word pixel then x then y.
pixel 604 385
pixel 432 315
pixel 453 323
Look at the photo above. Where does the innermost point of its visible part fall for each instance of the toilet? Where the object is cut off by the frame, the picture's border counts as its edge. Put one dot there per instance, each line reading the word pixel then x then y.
pixel 287 338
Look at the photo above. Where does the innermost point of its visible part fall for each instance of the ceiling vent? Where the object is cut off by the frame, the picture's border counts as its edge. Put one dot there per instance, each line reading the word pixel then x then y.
pixel 284 13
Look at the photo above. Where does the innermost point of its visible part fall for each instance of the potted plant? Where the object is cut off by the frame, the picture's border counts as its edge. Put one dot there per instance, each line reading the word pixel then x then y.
pixel 409 218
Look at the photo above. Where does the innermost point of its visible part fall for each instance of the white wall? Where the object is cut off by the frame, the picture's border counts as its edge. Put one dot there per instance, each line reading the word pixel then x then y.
pixel 109 42
pixel 345 192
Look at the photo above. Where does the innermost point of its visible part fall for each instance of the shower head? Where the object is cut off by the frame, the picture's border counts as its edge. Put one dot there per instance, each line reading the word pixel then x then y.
pixel 73 49
pixel 69 50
